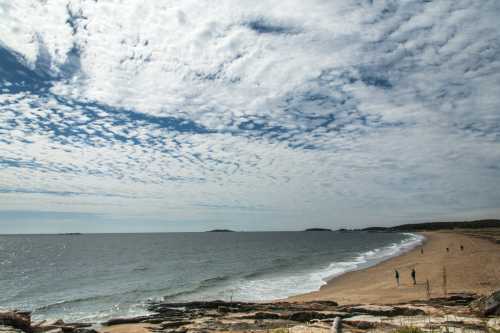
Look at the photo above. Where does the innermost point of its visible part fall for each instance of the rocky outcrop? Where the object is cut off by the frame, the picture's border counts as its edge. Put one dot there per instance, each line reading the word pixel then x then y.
pixel 53 326
pixel 227 307
pixel 451 300
pixel 17 319
pixel 306 316
pixel 383 310
pixel 12 321
pixel 233 316
pixel 262 316
pixel 216 316
pixel 488 305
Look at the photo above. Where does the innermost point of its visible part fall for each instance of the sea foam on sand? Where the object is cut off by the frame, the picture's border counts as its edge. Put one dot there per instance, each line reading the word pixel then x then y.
pixel 270 288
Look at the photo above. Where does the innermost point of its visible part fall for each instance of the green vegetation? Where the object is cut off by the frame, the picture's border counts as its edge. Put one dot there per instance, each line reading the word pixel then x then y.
pixel 479 224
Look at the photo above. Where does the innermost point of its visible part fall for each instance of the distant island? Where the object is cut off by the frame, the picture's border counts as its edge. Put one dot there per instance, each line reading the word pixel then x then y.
pixel 318 229
pixel 220 230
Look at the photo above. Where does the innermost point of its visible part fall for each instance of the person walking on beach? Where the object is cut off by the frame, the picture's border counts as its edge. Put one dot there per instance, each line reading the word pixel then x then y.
pixel 447 249
pixel 414 276
pixel 461 247
pixel 421 250
pixel 397 276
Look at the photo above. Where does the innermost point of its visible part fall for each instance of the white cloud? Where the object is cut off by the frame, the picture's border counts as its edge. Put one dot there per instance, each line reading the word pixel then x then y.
pixel 351 111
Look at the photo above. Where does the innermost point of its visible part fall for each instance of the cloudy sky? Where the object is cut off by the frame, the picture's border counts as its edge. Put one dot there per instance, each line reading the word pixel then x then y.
pixel 252 115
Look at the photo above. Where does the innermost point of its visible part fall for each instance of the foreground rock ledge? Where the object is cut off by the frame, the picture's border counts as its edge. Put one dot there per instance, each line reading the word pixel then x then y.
pixel 459 312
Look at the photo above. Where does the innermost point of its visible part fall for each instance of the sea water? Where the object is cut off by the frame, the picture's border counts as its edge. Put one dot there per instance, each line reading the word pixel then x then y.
pixel 93 277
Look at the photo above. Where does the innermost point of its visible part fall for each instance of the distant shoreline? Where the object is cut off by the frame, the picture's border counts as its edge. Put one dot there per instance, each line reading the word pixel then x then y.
pixel 412 227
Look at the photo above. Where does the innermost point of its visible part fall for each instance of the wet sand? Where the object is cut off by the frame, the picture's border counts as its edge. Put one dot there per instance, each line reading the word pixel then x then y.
pixel 128 328
pixel 475 269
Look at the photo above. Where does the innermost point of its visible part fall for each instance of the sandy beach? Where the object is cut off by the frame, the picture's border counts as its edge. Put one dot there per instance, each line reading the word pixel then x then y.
pixel 475 269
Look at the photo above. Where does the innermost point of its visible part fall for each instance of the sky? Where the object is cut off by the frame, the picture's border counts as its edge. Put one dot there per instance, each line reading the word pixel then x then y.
pixel 129 116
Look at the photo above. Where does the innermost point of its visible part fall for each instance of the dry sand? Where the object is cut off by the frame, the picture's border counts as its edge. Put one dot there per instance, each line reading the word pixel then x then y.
pixel 475 269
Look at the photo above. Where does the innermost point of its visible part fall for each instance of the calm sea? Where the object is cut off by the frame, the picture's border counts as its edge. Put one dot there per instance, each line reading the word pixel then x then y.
pixel 94 277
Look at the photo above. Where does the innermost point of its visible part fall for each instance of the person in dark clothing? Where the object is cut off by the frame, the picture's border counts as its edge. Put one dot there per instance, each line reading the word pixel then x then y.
pixel 414 276
pixel 447 249
pixel 396 273
pixel 422 250
pixel 461 247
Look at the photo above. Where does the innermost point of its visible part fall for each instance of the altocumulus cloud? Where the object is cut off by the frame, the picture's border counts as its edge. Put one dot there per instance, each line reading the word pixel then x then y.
pixel 268 115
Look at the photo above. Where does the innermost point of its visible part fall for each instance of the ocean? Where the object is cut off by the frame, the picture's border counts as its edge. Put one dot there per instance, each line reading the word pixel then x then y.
pixel 94 277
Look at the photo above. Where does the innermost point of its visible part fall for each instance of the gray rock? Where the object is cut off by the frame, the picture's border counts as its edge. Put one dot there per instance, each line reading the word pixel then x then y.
pixel 384 310
pixel 488 305
pixel 133 320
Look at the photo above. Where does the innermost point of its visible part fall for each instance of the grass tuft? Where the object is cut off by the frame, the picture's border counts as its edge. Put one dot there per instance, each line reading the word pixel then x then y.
pixel 408 329
pixel 280 330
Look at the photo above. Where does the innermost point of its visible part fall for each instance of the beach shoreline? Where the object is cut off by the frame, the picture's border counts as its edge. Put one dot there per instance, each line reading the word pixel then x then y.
pixel 363 299
pixel 476 269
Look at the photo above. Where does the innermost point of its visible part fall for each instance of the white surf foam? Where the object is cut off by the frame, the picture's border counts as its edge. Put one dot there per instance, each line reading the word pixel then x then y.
pixel 260 289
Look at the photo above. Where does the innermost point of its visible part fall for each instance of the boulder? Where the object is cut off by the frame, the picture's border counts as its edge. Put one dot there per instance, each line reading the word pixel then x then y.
pixel 488 305
pixel 16 319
